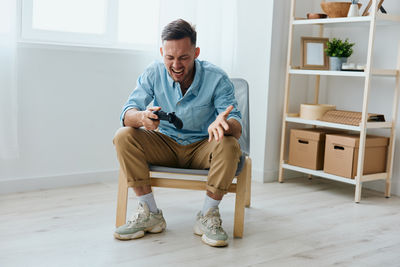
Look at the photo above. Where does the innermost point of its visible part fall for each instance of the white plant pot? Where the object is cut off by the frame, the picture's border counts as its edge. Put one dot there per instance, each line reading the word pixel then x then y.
pixel 335 63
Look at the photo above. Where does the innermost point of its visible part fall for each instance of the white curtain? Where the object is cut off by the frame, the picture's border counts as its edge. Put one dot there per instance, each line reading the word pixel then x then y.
pixel 8 81
pixel 216 25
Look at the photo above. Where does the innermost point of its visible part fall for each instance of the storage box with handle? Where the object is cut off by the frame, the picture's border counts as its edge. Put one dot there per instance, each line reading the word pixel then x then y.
pixel 341 154
pixel 306 148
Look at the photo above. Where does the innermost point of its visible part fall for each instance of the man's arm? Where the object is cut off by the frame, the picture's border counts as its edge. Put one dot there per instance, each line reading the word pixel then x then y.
pixel 221 126
pixel 235 129
pixel 140 98
pixel 135 118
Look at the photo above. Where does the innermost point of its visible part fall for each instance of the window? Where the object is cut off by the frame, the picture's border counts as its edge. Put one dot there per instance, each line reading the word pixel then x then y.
pixel 69 16
pixel 110 23
pixel 138 22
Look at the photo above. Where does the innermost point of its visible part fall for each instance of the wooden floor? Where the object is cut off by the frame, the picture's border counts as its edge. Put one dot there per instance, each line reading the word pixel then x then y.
pixel 297 223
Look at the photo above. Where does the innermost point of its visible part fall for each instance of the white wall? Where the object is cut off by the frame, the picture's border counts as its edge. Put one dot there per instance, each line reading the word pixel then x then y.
pixel 69 105
pixel 253 55
pixel 276 89
pixel 70 100
pixel 276 85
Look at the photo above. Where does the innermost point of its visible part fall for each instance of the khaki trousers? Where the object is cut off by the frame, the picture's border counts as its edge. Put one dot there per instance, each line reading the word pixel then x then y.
pixel 137 148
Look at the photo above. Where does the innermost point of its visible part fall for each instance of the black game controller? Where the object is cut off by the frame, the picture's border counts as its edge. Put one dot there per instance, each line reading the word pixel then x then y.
pixel 170 117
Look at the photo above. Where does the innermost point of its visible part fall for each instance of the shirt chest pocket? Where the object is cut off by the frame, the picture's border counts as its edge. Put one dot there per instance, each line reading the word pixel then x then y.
pixel 198 117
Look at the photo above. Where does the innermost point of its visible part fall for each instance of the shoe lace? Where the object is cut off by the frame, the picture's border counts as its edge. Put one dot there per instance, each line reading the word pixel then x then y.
pixel 138 216
pixel 214 223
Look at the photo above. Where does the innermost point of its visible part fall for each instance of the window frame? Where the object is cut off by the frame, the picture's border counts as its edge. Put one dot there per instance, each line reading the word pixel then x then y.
pixel 109 39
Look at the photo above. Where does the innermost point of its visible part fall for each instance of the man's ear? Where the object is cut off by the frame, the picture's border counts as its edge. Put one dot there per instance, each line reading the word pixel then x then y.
pixel 197 52
pixel 161 51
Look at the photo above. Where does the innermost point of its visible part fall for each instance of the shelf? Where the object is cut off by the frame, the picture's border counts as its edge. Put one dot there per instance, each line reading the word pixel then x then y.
pixel 381 19
pixel 304 21
pixel 327 73
pixel 323 124
pixel 370 125
pixel 375 72
pixel 320 173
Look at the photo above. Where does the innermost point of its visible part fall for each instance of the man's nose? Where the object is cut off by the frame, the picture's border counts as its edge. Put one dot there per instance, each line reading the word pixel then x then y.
pixel 176 64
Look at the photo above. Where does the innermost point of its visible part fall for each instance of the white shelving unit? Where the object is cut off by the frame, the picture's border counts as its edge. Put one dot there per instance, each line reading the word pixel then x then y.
pixel 371 22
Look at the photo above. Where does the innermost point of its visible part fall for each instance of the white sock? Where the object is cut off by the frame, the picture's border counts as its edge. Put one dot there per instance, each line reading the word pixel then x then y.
pixel 150 201
pixel 209 203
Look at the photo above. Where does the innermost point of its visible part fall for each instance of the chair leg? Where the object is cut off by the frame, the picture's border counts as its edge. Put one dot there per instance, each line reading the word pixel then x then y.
pixel 248 182
pixel 240 202
pixel 122 201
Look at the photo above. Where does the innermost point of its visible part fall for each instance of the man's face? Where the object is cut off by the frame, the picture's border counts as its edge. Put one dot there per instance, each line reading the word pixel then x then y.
pixel 179 56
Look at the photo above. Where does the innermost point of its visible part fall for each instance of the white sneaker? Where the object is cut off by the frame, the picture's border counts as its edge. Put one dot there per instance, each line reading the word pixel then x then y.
pixel 141 222
pixel 210 229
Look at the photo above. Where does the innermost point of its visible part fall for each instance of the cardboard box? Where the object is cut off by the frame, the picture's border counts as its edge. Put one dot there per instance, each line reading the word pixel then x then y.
pixel 306 148
pixel 341 154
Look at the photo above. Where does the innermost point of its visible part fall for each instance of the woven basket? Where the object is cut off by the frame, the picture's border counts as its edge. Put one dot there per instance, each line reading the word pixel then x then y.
pixel 350 117
pixel 336 9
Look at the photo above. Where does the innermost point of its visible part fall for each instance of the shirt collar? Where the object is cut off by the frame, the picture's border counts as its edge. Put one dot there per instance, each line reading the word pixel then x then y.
pixel 169 78
pixel 194 87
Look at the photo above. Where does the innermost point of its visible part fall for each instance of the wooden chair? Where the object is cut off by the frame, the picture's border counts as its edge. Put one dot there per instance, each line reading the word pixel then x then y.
pixel 196 179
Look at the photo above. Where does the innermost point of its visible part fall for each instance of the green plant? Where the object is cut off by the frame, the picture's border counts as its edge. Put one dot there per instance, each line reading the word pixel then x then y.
pixel 339 48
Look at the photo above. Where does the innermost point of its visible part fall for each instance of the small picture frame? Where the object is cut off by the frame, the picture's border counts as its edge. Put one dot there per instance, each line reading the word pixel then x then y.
pixel 313 56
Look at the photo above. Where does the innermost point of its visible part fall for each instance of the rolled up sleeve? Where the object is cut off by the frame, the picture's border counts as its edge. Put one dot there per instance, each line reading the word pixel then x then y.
pixel 224 97
pixel 141 96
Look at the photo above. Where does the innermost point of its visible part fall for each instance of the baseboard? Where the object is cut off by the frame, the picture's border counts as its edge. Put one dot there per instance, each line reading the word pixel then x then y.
pixel 272 175
pixel 257 175
pixel 25 184
pixel 380 186
pixel 395 188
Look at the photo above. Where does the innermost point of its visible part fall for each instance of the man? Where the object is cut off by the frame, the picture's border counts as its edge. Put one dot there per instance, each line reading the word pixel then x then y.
pixel 201 95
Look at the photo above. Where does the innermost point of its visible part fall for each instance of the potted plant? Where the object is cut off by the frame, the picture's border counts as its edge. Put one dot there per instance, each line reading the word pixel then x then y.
pixel 338 52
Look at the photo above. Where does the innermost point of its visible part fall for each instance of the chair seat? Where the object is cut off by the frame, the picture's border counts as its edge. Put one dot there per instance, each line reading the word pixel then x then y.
pixel 156 168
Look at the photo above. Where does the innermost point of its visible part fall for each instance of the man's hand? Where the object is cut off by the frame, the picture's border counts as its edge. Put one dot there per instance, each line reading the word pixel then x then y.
pixel 145 116
pixel 136 119
pixel 217 129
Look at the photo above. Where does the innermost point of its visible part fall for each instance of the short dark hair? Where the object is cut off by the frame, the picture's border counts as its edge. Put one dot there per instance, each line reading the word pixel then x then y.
pixel 179 29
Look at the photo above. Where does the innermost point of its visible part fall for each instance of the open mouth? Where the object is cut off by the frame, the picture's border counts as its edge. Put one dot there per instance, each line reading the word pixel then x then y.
pixel 177 72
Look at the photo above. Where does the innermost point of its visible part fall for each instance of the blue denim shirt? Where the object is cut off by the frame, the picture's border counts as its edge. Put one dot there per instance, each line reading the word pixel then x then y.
pixel 210 93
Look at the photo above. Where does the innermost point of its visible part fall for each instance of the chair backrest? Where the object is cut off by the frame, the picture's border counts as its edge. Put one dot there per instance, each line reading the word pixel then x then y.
pixel 242 97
